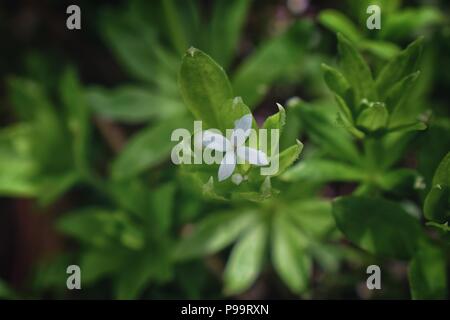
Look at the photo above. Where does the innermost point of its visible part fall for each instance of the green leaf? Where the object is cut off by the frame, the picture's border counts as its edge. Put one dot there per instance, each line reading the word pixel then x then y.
pixel 226 25
pixel 349 126
pixel 145 267
pixel 399 92
pixel 441 226
pixel 326 134
pixel 437 202
pixel 18 170
pixel 356 71
pixel 258 72
pixel 383 49
pixel 175 27
pixel 55 186
pixel 232 110
pixel 379 226
pixel 131 196
pixel 290 259
pixel 133 104
pixel 29 99
pixel 410 21
pixel 204 87
pixel 399 67
pixel 99 263
pixel 287 157
pixel 312 216
pixel 77 117
pixel 400 181
pixel 337 83
pixel 339 23
pixel 276 121
pixel 214 233
pixel 49 134
pixel 101 227
pixel 320 171
pixel 405 128
pixel 246 260
pixel 135 44
pixel 345 110
pixel 374 117
pixel 428 273
pixel 435 144
pixel 162 201
pixel 147 148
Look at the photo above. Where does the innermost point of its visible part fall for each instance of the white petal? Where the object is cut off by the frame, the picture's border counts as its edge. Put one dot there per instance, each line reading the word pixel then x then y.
pixel 244 123
pixel 252 156
pixel 242 126
pixel 227 166
pixel 215 141
pixel 238 137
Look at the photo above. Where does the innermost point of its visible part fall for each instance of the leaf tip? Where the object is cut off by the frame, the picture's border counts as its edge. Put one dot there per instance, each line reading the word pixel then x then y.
pixel 192 51
pixel 300 145
pixel 280 107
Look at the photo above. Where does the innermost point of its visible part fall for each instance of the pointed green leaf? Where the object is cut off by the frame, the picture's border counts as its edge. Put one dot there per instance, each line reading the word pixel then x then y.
pixel 437 202
pixel 147 148
pixel 258 72
pixel 214 233
pixel 320 170
pixel 277 120
pixel 399 67
pixel 287 157
pixel 148 265
pixel 373 118
pixel 162 202
pixel 232 110
pixel 345 110
pixel 246 260
pixel 132 104
pixel 383 49
pixel 339 23
pixel 379 226
pixel 77 117
pixel 226 25
pixel 428 273
pixel 356 71
pixel 400 91
pixel 416 126
pixel 399 181
pixel 324 132
pixel 204 87
pixel 290 259
pixel 312 216
pixel 337 83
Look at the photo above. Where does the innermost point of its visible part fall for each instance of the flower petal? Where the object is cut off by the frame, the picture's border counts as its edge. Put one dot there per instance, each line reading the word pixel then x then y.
pixel 242 129
pixel 215 141
pixel 244 123
pixel 253 156
pixel 227 166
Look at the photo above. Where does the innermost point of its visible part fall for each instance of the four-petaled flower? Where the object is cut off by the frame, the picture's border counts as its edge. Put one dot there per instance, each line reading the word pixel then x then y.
pixel 234 148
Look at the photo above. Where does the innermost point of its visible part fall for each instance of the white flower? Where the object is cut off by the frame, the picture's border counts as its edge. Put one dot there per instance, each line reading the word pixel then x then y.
pixel 235 148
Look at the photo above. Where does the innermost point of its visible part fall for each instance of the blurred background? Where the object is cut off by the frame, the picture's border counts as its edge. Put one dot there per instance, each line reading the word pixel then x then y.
pixel 85 179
